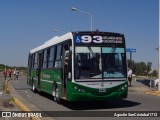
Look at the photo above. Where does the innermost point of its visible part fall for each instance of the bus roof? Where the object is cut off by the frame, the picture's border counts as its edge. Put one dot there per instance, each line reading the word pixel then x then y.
pixel 69 35
pixel 98 32
pixel 53 41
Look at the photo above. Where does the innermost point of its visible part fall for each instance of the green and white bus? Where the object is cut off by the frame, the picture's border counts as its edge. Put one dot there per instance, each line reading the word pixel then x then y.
pixel 80 66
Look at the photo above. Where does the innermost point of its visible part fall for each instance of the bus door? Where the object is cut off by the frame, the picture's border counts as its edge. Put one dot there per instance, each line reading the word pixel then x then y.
pixel 39 68
pixel 65 67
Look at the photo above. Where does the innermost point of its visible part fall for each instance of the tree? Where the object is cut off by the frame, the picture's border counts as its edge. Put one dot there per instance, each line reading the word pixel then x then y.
pixel 149 64
pixel 154 73
pixel 140 68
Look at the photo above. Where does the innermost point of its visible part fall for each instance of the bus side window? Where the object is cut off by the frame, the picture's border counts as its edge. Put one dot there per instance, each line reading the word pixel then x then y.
pixel 31 60
pixel 51 57
pixel 45 58
pixel 58 63
pixel 35 61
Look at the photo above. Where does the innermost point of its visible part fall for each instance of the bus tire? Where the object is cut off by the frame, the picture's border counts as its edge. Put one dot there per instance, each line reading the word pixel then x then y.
pixel 33 88
pixel 57 99
pixel 55 93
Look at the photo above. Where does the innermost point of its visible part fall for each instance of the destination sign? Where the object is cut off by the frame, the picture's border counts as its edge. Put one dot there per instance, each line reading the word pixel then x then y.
pixel 97 39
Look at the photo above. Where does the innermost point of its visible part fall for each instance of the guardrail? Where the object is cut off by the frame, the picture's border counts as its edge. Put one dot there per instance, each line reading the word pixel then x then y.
pixel 147 82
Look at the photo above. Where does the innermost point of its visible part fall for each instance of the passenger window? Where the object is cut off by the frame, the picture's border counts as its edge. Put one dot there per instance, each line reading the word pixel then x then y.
pixel 35 61
pixel 45 59
pixel 51 57
pixel 58 62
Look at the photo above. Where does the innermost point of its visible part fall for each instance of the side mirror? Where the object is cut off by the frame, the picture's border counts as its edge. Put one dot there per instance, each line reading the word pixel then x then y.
pixel 69 75
pixel 67 55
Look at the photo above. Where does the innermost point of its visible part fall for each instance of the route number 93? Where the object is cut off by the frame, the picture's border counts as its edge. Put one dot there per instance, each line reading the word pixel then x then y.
pixel 89 39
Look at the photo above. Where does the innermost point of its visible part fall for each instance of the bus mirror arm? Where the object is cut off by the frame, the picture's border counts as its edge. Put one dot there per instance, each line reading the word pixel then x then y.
pixel 67 55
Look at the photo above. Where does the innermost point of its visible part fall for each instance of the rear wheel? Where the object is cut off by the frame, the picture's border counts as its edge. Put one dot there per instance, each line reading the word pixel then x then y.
pixel 55 94
pixel 33 88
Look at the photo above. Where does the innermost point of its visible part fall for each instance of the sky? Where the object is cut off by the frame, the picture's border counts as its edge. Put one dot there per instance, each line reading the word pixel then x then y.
pixel 26 24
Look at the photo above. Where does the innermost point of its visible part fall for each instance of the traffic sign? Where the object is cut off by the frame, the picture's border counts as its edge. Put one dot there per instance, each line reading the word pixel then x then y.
pixel 131 50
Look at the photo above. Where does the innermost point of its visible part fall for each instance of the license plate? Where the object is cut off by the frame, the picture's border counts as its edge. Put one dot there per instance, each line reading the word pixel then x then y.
pixel 102 90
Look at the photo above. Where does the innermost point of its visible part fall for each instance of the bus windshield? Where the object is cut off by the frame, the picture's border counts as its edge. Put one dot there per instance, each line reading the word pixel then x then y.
pixel 99 62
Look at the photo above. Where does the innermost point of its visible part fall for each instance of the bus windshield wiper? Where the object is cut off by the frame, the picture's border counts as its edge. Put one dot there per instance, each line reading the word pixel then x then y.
pixel 91 51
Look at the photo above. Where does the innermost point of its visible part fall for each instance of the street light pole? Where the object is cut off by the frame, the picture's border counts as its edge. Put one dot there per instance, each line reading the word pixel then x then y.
pixel 87 13
pixel 59 31
pixel 159 65
pixel 159 53
pixel 55 30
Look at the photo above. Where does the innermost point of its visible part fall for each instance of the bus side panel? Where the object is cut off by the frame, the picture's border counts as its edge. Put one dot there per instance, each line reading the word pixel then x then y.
pixel 45 81
pixel 33 78
pixel 29 80
pixel 48 77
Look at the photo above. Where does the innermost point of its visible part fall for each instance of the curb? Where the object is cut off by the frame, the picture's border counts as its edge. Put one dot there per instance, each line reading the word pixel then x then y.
pixel 155 93
pixel 6 89
pixel 17 98
pixel 22 103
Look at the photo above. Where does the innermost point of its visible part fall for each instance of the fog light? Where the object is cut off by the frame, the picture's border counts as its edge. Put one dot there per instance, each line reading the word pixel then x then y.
pixel 75 87
pixel 82 90
pixel 125 85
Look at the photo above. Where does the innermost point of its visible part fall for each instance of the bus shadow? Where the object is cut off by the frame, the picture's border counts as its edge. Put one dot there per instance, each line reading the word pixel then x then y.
pixel 93 105
pixel 109 104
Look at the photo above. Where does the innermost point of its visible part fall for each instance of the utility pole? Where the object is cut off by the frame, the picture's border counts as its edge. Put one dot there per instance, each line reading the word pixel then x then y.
pixel 87 13
pixel 159 53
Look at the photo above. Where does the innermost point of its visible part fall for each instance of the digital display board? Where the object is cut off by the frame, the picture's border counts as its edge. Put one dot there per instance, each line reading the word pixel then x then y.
pixel 97 39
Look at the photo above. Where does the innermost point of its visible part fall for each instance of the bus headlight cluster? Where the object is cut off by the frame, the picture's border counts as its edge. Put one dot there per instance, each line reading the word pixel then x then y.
pixel 123 87
pixel 79 89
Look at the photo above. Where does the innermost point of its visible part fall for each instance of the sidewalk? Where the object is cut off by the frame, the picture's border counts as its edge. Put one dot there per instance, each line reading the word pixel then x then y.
pixel 5 99
pixel 7 103
pixel 139 87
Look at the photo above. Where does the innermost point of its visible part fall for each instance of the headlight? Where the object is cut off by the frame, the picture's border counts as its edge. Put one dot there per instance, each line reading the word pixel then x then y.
pixel 123 87
pixel 79 89
pixel 75 87
pixel 82 90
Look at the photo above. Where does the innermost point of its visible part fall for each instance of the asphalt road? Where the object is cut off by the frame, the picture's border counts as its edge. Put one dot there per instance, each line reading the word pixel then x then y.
pixel 136 101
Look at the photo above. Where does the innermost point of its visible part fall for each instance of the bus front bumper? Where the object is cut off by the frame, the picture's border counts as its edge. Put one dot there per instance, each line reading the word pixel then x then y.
pixel 91 97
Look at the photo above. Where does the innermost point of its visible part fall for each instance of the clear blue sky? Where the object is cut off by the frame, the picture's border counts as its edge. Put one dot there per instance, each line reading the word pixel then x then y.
pixel 25 24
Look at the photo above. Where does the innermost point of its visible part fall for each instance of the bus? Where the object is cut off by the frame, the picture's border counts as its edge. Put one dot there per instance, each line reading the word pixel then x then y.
pixel 80 66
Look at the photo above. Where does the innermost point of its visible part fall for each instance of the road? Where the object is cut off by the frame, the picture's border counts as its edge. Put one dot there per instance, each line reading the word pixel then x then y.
pixel 135 102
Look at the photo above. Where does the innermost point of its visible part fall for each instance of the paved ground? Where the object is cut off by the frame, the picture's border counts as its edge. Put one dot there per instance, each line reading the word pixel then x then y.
pixel 6 103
